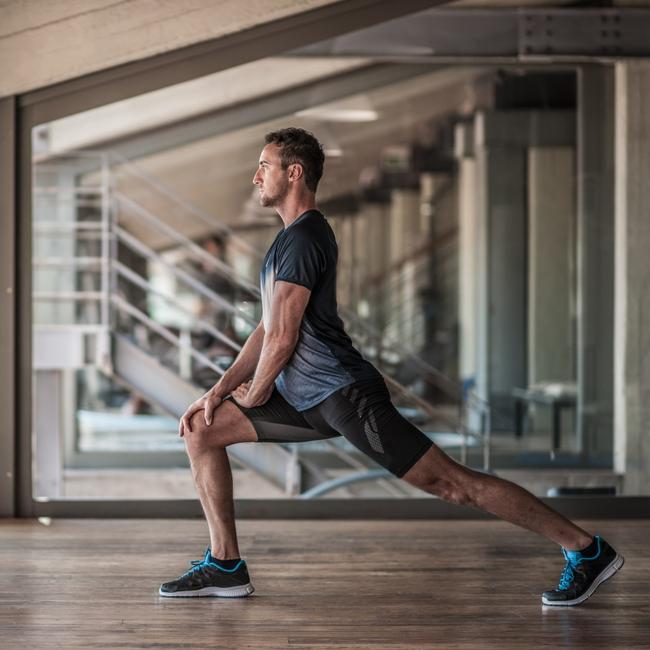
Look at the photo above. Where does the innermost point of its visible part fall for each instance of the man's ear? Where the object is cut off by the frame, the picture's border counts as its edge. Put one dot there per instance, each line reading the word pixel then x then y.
pixel 296 172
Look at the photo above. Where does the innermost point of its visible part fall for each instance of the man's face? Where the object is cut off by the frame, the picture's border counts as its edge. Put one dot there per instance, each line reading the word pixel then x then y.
pixel 272 181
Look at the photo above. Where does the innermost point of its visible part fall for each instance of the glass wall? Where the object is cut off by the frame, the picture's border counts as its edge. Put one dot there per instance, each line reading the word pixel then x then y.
pixel 458 202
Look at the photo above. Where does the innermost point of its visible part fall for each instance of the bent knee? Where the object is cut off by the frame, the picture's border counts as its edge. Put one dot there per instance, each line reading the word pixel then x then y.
pixel 439 474
pixel 202 435
pixel 453 487
pixel 228 427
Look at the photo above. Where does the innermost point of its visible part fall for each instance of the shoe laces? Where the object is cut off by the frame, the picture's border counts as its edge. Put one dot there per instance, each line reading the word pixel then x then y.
pixel 567 573
pixel 197 565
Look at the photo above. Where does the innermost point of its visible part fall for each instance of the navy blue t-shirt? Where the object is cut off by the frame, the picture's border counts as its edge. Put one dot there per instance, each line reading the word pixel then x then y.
pixel 324 359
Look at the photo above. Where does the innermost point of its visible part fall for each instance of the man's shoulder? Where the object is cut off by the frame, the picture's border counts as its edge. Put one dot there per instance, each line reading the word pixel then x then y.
pixel 314 228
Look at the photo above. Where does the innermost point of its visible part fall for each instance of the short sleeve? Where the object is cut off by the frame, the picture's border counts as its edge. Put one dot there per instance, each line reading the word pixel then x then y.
pixel 300 259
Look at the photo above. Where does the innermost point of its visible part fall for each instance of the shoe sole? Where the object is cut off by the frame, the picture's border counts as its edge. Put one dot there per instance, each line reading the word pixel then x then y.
pixel 614 566
pixel 215 592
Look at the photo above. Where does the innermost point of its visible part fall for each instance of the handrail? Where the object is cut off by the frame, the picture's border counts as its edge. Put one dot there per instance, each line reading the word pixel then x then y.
pixel 136 245
pixel 450 387
pixel 80 189
pixel 122 304
pixel 133 277
pixel 224 269
pixel 67 261
pixel 67 295
pixel 169 193
pixel 54 226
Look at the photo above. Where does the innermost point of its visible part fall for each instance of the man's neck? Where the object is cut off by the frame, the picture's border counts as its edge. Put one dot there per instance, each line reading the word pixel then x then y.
pixel 293 207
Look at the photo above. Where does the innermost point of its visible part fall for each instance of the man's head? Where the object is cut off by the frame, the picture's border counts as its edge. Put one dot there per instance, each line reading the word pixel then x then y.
pixel 291 157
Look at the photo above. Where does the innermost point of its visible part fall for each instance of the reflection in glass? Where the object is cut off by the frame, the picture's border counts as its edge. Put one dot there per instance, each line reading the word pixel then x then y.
pixel 452 193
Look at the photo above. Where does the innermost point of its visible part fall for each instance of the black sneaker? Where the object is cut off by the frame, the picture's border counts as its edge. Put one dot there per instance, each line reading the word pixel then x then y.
pixel 582 575
pixel 206 578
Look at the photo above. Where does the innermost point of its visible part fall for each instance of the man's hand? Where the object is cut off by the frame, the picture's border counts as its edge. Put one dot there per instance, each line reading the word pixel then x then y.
pixel 208 403
pixel 248 398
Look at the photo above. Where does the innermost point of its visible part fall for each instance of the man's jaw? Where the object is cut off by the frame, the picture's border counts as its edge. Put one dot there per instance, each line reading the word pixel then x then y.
pixel 267 201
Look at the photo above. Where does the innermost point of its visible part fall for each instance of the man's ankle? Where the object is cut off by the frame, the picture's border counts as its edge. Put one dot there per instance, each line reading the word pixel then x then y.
pixel 581 545
pixel 227 564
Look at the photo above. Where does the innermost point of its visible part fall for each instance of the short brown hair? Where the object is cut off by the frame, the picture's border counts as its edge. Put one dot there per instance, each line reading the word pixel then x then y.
pixel 300 146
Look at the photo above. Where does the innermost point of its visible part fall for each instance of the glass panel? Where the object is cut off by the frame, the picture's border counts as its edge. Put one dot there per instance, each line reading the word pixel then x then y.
pixel 455 200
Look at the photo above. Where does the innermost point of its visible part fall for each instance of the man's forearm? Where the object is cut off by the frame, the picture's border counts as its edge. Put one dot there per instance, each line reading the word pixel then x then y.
pixel 276 352
pixel 243 368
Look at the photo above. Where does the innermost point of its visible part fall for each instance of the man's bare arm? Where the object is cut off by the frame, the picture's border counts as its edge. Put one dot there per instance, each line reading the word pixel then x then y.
pixel 288 308
pixel 243 368
pixel 240 371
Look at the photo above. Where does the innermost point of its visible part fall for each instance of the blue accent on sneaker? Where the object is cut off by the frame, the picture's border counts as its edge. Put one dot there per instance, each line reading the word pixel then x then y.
pixel 573 559
pixel 213 562
pixel 218 566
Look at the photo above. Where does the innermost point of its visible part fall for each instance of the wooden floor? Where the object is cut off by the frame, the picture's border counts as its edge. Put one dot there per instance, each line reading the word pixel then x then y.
pixel 319 584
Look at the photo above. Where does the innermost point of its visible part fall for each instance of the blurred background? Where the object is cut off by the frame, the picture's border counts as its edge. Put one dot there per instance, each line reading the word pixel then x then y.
pixel 475 196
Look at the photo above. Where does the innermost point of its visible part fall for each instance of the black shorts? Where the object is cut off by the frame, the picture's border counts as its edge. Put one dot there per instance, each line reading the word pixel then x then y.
pixel 361 412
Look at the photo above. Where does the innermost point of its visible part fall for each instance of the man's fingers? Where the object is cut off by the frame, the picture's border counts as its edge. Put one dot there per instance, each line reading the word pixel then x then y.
pixel 210 406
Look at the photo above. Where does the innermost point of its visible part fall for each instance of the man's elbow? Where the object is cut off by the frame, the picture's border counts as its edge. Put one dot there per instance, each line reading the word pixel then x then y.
pixel 282 339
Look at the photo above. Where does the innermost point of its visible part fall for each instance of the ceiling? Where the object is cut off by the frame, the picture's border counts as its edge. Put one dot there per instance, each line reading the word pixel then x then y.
pixel 184 142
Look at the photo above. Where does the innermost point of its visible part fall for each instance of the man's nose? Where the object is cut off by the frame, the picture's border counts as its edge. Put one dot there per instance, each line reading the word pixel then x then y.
pixel 256 178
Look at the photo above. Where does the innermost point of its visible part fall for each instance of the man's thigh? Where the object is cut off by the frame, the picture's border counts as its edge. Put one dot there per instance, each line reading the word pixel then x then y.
pixel 229 426
pixel 277 421
pixel 364 414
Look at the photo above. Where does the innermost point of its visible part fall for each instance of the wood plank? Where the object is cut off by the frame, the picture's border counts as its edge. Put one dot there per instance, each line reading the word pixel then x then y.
pixel 350 584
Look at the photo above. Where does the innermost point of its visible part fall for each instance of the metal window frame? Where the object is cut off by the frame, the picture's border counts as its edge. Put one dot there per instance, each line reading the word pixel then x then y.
pixel 18 115
pixel 8 369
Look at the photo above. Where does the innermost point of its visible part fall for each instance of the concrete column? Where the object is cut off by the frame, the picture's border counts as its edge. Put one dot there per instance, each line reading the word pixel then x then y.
pixel 468 247
pixel 551 242
pixel 501 142
pixel 404 236
pixel 501 264
pixel 551 272
pixel 632 278
pixel 503 170
pixel 595 263
pixel 467 268
pixel 438 270
pixel 344 271
pixel 376 246
pixel 376 255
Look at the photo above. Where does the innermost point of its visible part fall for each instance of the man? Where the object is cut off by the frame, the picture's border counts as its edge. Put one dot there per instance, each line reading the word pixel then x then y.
pixel 299 378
